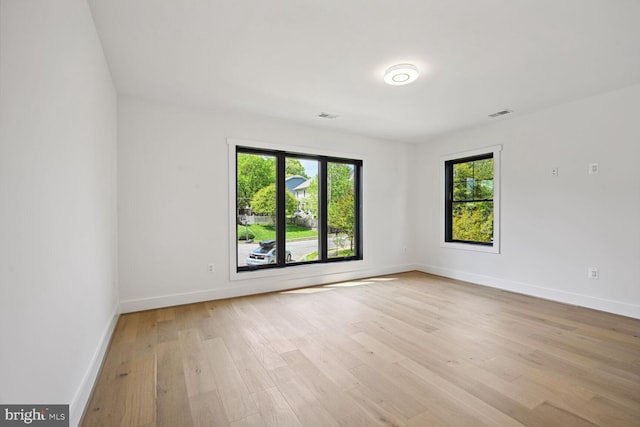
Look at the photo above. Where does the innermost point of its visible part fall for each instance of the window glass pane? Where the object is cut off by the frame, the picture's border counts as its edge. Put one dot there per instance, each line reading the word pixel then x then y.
pixel 462 171
pixel 483 169
pixel 473 221
pixel 302 209
pixel 463 190
pixel 341 210
pixel 256 209
pixel 483 189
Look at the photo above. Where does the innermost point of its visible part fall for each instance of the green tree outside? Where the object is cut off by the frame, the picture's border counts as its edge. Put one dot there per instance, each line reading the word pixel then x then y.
pixel 339 183
pixel 264 202
pixel 254 172
pixel 293 167
pixel 341 217
pixel 473 222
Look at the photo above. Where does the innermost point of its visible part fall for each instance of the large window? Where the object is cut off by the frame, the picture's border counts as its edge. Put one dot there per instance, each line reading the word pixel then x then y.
pixel 471 200
pixel 295 209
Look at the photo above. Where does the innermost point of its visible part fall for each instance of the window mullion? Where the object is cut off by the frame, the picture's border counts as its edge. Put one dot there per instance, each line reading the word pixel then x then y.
pixel 448 203
pixel 323 250
pixel 358 212
pixel 281 210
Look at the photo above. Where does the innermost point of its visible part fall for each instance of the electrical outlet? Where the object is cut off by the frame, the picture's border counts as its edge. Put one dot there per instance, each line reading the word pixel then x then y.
pixel 593 273
pixel 593 168
pixel 211 268
pixel 555 171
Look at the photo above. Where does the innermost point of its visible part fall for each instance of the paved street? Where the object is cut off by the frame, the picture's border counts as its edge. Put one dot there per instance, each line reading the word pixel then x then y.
pixel 298 249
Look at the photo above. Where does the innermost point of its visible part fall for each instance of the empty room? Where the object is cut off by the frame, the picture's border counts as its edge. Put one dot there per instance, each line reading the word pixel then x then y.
pixel 330 213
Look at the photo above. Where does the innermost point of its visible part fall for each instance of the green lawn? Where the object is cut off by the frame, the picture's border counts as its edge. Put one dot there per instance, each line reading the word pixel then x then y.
pixel 268 232
pixel 332 254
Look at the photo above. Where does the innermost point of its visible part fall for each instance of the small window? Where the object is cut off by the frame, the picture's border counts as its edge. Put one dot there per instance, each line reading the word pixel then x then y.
pixel 471 208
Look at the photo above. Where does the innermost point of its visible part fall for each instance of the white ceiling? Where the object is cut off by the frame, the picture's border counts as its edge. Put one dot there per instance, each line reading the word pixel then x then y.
pixel 292 59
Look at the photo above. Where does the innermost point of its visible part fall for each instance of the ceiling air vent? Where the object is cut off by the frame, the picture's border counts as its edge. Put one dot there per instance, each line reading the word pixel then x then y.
pixel 500 113
pixel 328 116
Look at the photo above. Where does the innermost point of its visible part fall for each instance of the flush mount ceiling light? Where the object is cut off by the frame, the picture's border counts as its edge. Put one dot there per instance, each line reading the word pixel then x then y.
pixel 401 74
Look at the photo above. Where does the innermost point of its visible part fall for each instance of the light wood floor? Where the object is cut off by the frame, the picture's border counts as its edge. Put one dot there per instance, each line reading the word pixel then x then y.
pixel 403 350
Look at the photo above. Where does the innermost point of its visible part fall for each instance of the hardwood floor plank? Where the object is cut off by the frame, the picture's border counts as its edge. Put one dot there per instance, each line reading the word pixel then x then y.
pixel 274 409
pixel 140 398
pixel 612 413
pixel 391 396
pixel 146 337
pixel 373 346
pixel 618 389
pixel 173 408
pixel 167 331
pixel 443 413
pixel 562 417
pixel 325 391
pixel 360 419
pixel 197 372
pixel 302 401
pixel 593 411
pixel 529 396
pixel 253 373
pixel 550 379
pixel 166 314
pixel 128 395
pixel 377 409
pixel 264 353
pixel 329 363
pixel 126 329
pixel 207 410
pixel 107 406
pixel 476 404
pixel 235 396
pixel 254 420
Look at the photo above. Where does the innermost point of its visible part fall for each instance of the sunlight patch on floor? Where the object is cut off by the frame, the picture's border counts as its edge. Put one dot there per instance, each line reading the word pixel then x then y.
pixel 383 279
pixel 349 284
pixel 306 291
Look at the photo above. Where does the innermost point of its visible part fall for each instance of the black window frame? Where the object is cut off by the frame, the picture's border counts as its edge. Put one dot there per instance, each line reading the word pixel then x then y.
pixel 323 230
pixel 449 202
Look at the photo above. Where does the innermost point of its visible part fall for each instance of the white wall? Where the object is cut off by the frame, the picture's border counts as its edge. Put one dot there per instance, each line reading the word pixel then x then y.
pixel 173 166
pixel 58 281
pixel 553 228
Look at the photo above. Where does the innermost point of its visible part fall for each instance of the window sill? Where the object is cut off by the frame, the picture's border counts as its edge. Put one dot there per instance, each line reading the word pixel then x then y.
pixel 495 249
pixel 299 271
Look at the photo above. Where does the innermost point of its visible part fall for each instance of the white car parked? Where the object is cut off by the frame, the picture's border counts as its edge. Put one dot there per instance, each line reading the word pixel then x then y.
pixel 265 254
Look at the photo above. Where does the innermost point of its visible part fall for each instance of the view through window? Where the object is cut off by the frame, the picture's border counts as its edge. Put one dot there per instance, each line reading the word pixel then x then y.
pixel 469 208
pixel 308 205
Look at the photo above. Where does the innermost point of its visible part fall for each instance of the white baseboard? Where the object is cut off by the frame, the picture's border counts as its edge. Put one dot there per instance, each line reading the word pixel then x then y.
pixel 83 394
pixel 256 287
pixel 615 307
